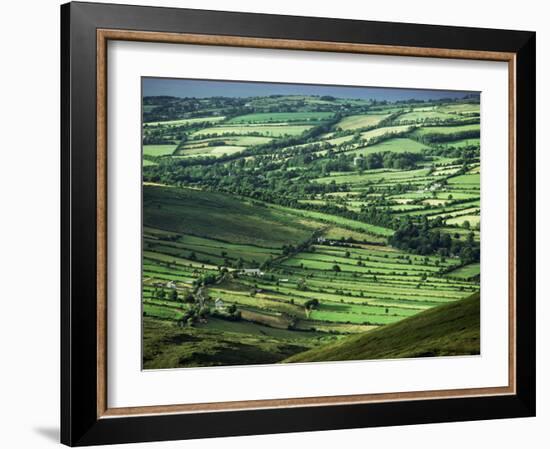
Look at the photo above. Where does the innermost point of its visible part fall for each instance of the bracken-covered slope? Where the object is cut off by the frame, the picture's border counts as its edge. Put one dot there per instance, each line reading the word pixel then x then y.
pixel 448 330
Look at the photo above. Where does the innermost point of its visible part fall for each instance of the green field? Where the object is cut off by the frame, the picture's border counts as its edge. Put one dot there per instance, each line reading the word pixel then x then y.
pixel 446 129
pixel 388 130
pixel 461 143
pixel 362 178
pixel 260 130
pixel 467 272
pixel 220 217
pixel 424 116
pixel 274 117
pixel 466 180
pixel 209 151
pixel 158 150
pixel 292 228
pixel 361 121
pixel 395 145
pixel 186 121
pixel 443 331
pixel 465 108
pixel 473 220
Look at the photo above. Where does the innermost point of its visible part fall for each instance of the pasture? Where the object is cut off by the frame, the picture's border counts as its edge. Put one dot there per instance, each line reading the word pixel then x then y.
pixel 220 217
pixel 466 272
pixel 158 150
pixel 424 116
pixel 353 122
pixel 254 130
pixel 209 150
pixel 395 145
pixel 186 121
pixel 388 130
pixel 445 130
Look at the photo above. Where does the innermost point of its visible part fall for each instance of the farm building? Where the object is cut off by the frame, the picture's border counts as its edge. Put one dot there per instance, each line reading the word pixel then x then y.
pixel 218 303
pixel 170 284
pixel 252 272
pixel 434 187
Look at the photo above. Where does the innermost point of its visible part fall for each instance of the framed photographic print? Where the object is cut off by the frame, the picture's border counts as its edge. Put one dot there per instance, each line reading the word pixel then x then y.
pixel 280 224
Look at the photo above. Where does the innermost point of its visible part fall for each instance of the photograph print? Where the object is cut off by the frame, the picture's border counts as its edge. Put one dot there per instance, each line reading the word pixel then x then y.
pixel 295 223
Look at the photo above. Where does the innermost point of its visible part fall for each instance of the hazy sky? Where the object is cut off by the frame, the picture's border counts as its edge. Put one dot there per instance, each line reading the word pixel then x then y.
pixel 202 89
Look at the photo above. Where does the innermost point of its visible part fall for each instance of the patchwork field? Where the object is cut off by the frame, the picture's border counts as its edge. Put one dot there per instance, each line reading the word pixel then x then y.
pixel 291 227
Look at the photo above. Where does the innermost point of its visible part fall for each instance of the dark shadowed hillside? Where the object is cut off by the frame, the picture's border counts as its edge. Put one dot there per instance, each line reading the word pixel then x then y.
pixel 451 329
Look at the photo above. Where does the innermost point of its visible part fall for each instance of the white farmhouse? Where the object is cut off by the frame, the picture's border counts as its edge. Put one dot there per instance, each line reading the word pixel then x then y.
pixel 252 272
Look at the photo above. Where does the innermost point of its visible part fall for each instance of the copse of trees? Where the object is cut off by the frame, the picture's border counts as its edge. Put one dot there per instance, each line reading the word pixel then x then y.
pixel 386 159
pixel 467 153
pixel 435 121
pixel 441 137
pixel 311 304
pixel 423 239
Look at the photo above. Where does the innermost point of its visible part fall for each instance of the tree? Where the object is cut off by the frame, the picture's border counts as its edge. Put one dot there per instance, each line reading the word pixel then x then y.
pixel 336 268
pixel 311 304
pixel 232 309
pixel 188 297
pixel 204 312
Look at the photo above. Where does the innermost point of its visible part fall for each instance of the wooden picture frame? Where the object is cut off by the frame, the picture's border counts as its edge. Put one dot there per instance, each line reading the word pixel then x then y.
pixel 86 419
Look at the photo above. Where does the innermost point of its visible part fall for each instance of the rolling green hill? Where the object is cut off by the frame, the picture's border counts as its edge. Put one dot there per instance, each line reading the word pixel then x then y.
pixel 222 217
pixel 450 329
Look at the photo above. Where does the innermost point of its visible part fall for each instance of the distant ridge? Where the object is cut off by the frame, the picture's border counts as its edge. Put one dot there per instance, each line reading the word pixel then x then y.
pixel 447 330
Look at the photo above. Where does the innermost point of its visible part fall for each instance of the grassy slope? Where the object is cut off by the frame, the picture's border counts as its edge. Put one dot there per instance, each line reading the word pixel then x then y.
pixel 221 217
pixel 166 345
pixel 451 329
